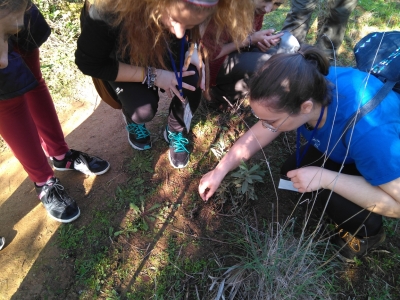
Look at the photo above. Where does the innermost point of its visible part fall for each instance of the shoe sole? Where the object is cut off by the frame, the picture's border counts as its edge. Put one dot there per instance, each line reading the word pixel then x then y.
pixel 66 221
pixel 2 243
pixel 86 173
pixel 165 136
pixel 132 144
pixel 136 147
pixel 169 153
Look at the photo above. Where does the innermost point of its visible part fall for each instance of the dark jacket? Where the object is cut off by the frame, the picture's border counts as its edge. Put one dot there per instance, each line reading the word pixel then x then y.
pixel 17 79
pixel 96 52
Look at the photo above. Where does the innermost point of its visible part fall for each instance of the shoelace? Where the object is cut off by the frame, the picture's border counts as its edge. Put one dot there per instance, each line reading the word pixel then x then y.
pixel 178 141
pixel 77 156
pixel 352 241
pixel 56 188
pixel 138 129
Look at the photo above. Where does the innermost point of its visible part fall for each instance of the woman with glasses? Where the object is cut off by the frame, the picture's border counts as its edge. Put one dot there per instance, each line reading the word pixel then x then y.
pixel 356 174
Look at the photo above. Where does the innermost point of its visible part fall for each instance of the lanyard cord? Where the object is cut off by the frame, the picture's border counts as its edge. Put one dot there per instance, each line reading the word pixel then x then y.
pixel 181 56
pixel 299 157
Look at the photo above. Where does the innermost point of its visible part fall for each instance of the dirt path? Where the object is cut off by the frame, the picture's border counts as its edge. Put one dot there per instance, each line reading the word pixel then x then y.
pixel 91 127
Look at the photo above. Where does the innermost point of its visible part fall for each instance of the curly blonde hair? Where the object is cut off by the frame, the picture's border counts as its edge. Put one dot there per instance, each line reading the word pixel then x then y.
pixel 143 36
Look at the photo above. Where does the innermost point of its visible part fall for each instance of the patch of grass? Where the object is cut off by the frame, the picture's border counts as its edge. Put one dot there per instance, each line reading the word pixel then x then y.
pixel 88 244
pixel 141 163
pixel 275 265
pixel 178 277
pixel 391 226
pixel 130 193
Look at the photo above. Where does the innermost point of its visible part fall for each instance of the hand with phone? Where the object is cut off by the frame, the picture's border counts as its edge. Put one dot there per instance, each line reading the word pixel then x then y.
pixel 265 39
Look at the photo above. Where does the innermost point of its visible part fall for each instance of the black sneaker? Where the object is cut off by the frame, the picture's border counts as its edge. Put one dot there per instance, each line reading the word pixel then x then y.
pixel 178 154
pixel 2 242
pixel 138 135
pixel 82 162
pixel 354 247
pixel 58 204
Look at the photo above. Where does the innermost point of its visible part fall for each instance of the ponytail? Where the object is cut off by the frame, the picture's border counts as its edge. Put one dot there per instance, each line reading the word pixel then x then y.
pixel 285 81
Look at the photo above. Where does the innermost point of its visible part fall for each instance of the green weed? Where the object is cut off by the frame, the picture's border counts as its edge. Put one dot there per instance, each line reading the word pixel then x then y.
pixel 239 187
pixel 142 216
pixel 390 225
pixel 178 278
pixel 141 162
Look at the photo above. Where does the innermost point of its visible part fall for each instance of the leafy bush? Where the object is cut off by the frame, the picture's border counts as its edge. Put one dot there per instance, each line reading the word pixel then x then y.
pixel 239 187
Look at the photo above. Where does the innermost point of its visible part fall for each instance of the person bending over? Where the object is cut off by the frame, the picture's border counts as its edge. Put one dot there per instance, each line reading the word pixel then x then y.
pixel 300 91
pixel 139 47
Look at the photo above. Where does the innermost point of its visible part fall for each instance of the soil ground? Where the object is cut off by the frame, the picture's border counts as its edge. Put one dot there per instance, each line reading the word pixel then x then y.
pixel 33 266
pixel 90 126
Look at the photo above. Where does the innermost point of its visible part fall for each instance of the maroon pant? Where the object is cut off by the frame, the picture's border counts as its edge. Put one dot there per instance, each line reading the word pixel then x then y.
pixel 30 126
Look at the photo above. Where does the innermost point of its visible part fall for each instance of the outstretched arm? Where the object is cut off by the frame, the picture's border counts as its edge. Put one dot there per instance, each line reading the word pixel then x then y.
pixel 383 200
pixel 263 39
pixel 245 147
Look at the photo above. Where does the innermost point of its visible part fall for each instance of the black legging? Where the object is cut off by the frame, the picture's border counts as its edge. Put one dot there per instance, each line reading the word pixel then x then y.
pixel 141 103
pixel 339 209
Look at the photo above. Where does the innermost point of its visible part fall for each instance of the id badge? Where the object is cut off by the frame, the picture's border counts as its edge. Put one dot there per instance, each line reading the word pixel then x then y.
pixel 285 184
pixel 188 115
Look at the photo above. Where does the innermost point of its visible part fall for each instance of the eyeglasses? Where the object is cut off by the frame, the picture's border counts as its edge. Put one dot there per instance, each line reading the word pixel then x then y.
pixel 266 124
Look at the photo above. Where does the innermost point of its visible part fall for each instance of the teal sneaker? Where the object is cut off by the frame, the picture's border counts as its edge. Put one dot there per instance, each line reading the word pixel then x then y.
pixel 138 135
pixel 178 153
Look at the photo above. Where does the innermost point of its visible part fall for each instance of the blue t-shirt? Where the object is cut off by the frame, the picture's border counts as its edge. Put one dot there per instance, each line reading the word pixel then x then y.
pixel 374 144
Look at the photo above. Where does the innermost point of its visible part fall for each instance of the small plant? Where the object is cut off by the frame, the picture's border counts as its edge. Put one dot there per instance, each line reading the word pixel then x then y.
pixel 129 193
pixel 70 237
pixel 245 179
pixel 142 217
pixel 240 187
pixel 141 163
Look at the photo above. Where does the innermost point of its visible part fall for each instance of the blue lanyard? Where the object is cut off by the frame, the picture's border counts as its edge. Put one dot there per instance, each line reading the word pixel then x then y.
pixel 181 56
pixel 299 157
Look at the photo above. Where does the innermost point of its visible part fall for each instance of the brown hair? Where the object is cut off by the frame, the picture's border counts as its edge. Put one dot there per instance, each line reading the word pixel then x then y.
pixel 287 80
pixel 143 37
pixel 11 6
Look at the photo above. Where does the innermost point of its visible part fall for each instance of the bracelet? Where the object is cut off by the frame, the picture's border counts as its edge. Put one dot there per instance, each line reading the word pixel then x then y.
pixel 151 77
pixel 249 37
